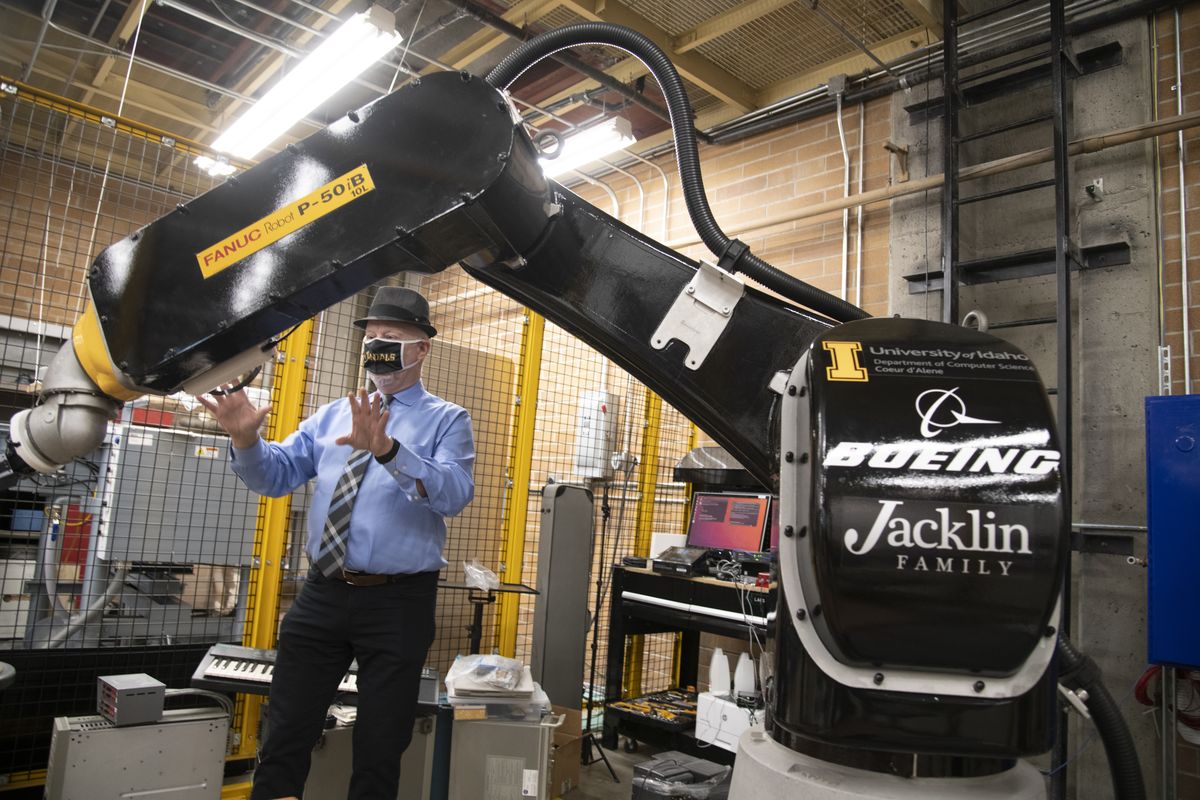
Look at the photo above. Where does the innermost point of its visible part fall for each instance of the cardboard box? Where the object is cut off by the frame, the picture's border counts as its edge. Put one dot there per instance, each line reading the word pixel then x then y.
pixel 468 713
pixel 566 752
pixel 722 722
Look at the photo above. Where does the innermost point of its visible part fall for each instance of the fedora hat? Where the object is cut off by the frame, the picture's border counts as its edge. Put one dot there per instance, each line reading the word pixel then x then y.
pixel 397 304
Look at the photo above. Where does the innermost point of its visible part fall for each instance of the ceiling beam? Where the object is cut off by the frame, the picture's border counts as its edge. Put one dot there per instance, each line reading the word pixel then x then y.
pixel 700 71
pixel 736 17
pixel 171 106
pixel 887 50
pixel 928 13
pixel 124 32
pixel 487 39
pixel 624 71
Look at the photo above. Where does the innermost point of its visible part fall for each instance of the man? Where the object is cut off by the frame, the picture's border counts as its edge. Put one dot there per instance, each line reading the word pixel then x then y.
pixel 389 467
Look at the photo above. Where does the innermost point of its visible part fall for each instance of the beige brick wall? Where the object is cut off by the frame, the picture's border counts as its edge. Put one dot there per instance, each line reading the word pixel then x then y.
pixel 1187 756
pixel 46 231
pixel 1172 298
pixel 783 171
pixel 732 648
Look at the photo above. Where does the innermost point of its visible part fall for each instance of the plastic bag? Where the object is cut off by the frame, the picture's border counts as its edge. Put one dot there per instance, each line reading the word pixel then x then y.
pixel 715 788
pixel 479 576
pixel 485 668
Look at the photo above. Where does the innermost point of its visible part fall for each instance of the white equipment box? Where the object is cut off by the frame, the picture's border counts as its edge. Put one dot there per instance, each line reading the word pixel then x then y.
pixel 722 722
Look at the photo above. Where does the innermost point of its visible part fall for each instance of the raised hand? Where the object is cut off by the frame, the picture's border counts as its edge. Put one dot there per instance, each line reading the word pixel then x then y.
pixel 368 424
pixel 236 415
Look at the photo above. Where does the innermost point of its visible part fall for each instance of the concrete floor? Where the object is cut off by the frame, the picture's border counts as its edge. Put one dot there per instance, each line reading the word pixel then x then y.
pixel 597 784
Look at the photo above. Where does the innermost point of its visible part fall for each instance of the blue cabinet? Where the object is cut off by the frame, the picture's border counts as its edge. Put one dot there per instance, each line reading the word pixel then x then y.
pixel 1173 514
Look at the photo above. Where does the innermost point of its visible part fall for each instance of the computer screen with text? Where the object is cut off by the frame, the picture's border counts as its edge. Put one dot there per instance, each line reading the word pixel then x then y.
pixel 728 521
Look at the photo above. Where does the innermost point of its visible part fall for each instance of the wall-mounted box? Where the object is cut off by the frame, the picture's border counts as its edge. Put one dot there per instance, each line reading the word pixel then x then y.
pixel 1173 517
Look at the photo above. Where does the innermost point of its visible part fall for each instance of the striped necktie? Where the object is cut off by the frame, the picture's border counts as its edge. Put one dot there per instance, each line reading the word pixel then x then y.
pixel 331 558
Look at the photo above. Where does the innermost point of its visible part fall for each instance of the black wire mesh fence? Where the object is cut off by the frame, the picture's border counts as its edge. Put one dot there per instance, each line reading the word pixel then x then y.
pixel 141 555
pixel 134 557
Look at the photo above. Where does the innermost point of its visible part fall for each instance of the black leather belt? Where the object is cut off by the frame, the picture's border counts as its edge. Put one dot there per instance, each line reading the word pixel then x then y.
pixel 364 579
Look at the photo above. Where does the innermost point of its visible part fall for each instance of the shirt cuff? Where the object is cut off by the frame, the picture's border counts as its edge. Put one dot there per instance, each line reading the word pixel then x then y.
pixel 406 468
pixel 407 463
pixel 248 457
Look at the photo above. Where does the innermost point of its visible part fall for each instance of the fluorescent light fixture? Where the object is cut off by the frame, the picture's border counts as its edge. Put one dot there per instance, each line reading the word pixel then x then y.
pixel 361 41
pixel 217 167
pixel 589 144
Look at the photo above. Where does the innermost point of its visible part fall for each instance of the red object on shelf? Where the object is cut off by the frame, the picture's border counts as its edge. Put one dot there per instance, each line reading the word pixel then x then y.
pixel 153 416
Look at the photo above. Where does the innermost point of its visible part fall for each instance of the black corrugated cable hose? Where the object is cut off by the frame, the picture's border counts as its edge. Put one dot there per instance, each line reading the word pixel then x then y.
pixel 680 108
pixel 1079 671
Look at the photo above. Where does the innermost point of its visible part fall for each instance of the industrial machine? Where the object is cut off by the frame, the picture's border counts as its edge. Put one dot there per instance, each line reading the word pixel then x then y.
pixel 136 748
pixel 504 759
pixel 923 521
pixel 147 529
pixel 181 755
pixel 333 759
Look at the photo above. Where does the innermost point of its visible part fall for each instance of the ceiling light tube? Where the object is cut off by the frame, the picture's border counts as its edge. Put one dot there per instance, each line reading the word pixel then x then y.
pixel 587 145
pixel 361 41
pixel 217 167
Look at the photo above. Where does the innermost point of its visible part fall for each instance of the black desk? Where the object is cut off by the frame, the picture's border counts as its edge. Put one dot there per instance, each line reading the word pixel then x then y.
pixel 644 601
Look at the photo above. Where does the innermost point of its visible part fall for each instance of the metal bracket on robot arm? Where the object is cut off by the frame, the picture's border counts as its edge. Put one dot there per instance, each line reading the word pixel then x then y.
pixel 434 174
pixel 621 292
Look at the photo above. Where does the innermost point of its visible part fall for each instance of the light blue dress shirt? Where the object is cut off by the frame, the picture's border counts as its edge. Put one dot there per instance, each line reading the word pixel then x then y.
pixel 392 528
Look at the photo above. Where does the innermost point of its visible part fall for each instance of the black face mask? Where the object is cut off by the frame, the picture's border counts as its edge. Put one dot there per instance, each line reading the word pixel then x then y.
pixel 382 356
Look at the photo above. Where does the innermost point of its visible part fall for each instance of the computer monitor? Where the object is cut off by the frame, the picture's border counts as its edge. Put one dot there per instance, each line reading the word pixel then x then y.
pixel 728 521
pixel 772 543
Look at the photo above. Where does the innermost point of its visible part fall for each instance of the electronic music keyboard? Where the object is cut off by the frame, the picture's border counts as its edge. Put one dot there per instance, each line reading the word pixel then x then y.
pixel 233 668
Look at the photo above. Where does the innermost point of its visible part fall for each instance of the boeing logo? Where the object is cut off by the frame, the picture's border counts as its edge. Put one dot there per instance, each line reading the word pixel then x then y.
pixel 943 408
pixel 930 457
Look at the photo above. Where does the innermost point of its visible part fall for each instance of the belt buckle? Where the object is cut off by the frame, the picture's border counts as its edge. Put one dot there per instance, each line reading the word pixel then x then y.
pixel 357 578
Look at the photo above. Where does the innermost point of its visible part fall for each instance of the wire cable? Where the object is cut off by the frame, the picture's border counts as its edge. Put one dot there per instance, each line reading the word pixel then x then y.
pixel 1080 672
pixel 407 45
pixel 224 702
pixel 734 255
pixel 240 26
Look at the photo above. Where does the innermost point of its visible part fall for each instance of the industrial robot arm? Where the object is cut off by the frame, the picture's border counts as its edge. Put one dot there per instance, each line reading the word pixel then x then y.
pixel 924 543
pixel 432 175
